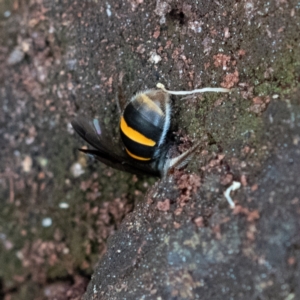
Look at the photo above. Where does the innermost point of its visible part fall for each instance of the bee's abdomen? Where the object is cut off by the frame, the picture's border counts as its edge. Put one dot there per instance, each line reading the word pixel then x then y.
pixel 141 129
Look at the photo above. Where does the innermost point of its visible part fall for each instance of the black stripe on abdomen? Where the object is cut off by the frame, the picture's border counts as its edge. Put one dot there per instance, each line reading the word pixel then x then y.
pixel 137 149
pixel 138 122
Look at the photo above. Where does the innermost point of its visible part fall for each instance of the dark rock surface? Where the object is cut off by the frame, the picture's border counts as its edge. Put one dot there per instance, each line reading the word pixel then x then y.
pixel 183 241
pixel 206 250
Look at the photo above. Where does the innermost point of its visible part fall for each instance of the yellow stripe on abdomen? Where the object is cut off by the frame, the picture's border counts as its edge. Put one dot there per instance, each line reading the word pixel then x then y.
pixel 135 135
pixel 135 156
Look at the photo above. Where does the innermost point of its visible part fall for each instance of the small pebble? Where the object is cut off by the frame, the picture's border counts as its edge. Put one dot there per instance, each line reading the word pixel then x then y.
pixel 63 205
pixel 46 222
pixel 15 56
pixel 77 169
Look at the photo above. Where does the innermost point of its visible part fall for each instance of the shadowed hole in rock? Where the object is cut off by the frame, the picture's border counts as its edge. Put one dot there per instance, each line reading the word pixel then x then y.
pixel 177 15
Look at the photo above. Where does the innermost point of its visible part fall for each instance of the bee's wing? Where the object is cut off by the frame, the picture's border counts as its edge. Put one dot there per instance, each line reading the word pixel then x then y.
pixel 93 132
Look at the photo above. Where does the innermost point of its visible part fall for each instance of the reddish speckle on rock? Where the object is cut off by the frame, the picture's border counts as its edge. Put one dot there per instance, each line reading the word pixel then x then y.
pixel 251 232
pixel 242 52
pixel 178 211
pixel 217 231
pixel 156 33
pixel 188 185
pixel 291 260
pixel 251 215
pixel 226 179
pixel 226 33
pixel 199 221
pixel 230 80
pixel 254 187
pixel 176 225
pixel 163 205
pixel 221 60
pixel 244 180
pixel 259 104
pixel 140 49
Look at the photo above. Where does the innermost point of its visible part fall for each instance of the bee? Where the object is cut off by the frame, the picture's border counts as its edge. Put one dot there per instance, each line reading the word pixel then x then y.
pixel 144 124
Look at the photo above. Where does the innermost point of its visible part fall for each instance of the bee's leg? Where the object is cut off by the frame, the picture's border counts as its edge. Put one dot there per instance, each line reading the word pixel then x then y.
pixel 181 160
pixel 207 89
pixel 120 100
